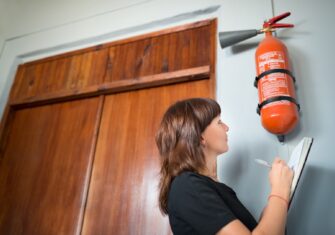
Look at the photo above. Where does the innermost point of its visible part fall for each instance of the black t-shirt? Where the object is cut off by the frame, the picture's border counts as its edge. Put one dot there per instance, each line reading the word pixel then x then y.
pixel 199 205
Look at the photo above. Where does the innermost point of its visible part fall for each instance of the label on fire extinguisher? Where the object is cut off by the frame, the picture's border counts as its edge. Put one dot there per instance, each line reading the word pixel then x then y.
pixel 274 84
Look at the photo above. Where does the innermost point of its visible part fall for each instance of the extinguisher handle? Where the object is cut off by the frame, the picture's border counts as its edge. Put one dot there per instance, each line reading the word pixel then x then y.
pixel 274 26
pixel 278 18
pixel 272 22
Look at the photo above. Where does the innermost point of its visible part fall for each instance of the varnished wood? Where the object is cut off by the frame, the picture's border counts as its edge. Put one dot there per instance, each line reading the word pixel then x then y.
pixel 123 191
pixel 119 86
pixel 5 124
pixel 45 168
pixel 88 176
pixel 114 172
pixel 169 50
pixel 212 56
pixel 63 75
pixel 126 40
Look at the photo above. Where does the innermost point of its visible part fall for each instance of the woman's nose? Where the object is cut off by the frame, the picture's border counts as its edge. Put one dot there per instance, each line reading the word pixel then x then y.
pixel 226 127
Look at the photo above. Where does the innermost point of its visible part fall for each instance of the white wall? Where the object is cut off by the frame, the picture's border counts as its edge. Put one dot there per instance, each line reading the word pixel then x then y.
pixel 47 28
pixel 2 26
pixel 311 47
pixel 2 41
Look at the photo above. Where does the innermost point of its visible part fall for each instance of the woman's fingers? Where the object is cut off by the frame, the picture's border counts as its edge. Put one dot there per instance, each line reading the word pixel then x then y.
pixel 278 160
pixel 280 178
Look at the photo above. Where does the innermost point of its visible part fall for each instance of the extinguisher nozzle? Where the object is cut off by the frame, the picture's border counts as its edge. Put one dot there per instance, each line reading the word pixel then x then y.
pixel 230 38
pixel 281 138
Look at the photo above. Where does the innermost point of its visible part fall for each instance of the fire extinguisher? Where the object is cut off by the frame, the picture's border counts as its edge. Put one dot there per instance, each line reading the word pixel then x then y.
pixel 277 106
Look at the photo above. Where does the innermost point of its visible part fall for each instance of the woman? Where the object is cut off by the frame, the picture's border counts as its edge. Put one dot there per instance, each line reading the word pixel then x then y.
pixel 190 137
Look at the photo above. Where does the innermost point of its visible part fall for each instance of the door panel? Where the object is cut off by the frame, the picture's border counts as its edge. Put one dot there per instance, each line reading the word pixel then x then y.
pixel 164 53
pixel 46 166
pixel 123 191
pixel 64 74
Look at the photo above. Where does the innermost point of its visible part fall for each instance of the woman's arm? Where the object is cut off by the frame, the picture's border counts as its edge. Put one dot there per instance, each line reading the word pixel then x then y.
pixel 273 220
pixel 272 223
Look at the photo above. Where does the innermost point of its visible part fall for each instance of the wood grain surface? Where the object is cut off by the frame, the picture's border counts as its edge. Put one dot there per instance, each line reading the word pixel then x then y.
pixel 123 189
pixel 44 171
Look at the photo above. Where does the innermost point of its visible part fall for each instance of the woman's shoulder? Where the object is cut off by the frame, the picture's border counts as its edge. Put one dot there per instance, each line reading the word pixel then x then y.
pixel 188 178
pixel 185 188
pixel 187 183
pixel 193 188
pixel 187 175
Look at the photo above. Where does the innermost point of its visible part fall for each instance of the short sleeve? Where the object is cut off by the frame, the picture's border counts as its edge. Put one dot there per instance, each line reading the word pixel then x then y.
pixel 194 200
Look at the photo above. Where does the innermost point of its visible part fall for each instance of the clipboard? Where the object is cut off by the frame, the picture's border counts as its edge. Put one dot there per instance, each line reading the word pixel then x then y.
pixel 298 161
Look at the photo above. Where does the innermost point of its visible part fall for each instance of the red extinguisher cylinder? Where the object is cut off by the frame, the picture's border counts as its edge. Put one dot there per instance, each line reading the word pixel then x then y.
pixel 277 107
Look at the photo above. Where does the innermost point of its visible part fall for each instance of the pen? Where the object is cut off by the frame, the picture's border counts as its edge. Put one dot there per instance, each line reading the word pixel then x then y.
pixel 262 162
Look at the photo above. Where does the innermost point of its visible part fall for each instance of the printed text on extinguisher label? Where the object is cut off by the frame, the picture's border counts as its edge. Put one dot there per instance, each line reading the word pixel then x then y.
pixel 274 84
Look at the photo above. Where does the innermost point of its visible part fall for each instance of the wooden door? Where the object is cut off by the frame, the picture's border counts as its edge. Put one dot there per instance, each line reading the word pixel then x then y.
pixel 46 167
pixel 123 190
pixel 91 166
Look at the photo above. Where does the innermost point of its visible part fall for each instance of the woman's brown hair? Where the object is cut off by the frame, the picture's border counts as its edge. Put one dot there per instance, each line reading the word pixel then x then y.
pixel 178 141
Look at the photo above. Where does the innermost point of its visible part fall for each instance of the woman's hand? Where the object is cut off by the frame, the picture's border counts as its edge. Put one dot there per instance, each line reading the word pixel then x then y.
pixel 281 177
pixel 274 215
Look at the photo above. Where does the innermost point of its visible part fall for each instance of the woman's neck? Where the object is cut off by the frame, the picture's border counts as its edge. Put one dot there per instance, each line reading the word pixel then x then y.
pixel 211 167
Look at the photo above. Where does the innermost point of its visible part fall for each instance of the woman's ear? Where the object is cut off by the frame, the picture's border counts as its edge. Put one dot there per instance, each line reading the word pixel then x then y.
pixel 202 141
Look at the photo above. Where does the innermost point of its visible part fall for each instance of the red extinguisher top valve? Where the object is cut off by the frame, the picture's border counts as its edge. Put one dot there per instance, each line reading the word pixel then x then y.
pixel 271 23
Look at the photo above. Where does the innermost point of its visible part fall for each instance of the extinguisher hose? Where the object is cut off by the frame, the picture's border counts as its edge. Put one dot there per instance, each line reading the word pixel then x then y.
pixel 267 72
pixel 274 99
